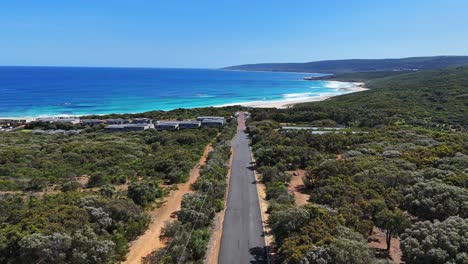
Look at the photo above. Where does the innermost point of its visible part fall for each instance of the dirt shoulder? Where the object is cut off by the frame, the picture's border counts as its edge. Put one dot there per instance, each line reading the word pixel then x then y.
pixel 149 241
pixel 296 187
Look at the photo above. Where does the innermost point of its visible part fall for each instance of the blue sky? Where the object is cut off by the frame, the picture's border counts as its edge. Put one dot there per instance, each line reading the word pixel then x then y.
pixel 216 33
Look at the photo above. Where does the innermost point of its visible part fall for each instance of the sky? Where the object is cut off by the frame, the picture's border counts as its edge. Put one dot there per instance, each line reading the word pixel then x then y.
pixel 217 33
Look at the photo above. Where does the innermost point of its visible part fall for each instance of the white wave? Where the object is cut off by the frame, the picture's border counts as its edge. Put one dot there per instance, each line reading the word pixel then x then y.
pixel 204 96
pixel 297 95
pixel 339 85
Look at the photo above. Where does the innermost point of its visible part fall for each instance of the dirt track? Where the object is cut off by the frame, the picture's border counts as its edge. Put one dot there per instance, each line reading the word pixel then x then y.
pixel 296 186
pixel 149 241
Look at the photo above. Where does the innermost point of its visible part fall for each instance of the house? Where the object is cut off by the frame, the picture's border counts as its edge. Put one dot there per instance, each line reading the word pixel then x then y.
pixel 142 121
pixel 212 122
pixel 128 127
pixel 56 131
pixel 12 122
pixel 189 124
pixel 201 118
pixel 91 122
pixel 117 121
pixel 167 125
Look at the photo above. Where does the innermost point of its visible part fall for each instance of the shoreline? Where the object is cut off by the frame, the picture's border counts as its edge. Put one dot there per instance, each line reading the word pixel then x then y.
pixel 285 103
pixel 280 104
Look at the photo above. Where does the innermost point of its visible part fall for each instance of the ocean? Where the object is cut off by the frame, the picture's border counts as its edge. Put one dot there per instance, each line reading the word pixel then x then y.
pixel 52 91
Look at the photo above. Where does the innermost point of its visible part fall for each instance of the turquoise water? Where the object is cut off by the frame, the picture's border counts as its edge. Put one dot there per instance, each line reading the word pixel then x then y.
pixel 48 91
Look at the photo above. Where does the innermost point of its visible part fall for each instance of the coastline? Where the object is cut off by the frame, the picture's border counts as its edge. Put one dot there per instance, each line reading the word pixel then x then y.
pixel 280 104
pixel 285 103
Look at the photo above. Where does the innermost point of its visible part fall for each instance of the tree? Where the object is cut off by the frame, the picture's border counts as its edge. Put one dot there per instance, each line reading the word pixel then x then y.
pixel 107 190
pixel 39 248
pixel 347 247
pixel 435 200
pixel 271 174
pixel 87 248
pixel 82 247
pixel 436 242
pixel 144 192
pixel 393 222
pixel 70 186
pixel 96 180
pixel 284 222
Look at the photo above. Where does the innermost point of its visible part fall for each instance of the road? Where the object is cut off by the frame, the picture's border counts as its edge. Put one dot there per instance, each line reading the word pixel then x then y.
pixel 242 240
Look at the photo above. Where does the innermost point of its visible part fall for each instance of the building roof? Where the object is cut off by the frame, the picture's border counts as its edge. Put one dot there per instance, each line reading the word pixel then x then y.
pixel 127 125
pixel 213 121
pixel 210 117
pixel 168 123
pixel 191 122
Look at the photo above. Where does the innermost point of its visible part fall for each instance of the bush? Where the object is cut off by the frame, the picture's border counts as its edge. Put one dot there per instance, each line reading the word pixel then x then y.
pixel 70 186
pixel 435 200
pixel 96 180
pixel 437 242
pixel 144 192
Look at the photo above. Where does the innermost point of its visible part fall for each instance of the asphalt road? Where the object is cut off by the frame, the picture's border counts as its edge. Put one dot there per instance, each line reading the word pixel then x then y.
pixel 242 240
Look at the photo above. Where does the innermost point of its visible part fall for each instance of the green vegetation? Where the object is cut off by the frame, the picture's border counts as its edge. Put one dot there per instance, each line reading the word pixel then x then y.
pixel 67 228
pixel 351 66
pixel 31 162
pixel 436 242
pixel 428 98
pixel 188 236
pixel 80 198
pixel 410 167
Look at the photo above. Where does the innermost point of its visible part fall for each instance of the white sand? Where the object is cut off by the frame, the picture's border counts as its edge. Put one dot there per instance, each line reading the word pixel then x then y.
pixel 358 87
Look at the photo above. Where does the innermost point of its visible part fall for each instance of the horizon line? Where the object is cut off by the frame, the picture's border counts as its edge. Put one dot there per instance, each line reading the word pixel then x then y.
pixel 219 68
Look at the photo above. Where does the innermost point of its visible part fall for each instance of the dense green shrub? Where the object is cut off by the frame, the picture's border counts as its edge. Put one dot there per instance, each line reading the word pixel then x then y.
pixel 436 242
pixel 144 192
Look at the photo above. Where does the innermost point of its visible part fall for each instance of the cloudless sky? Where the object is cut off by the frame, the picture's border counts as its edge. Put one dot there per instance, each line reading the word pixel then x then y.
pixel 216 33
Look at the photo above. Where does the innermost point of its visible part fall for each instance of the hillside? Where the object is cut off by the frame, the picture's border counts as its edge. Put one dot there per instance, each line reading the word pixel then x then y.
pixel 359 65
pixel 395 176
pixel 427 98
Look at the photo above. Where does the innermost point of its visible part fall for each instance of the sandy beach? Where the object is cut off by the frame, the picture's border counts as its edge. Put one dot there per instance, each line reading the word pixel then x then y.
pixel 357 87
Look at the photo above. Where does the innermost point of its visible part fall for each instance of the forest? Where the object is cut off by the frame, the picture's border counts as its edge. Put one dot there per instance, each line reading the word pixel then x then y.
pixel 407 175
pixel 81 198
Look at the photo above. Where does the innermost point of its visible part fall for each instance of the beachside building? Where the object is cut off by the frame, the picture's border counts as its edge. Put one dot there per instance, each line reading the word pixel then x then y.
pixel 12 122
pixel 91 122
pixel 189 124
pixel 201 118
pixel 142 120
pixel 212 122
pixel 56 131
pixel 117 121
pixel 167 125
pixel 128 127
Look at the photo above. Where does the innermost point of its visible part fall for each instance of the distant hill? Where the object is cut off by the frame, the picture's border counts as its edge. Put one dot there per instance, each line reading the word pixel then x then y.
pixel 358 65
pixel 433 97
